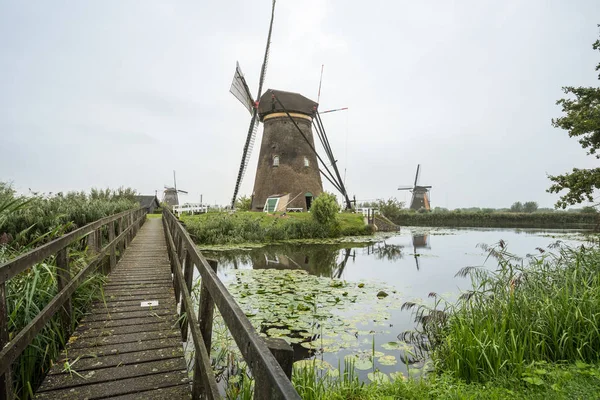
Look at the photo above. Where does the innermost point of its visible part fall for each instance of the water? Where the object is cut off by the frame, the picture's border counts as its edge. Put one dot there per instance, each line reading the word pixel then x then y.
pixel 409 266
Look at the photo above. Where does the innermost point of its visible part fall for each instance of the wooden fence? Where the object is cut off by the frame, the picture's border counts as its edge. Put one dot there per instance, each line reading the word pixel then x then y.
pixel 118 229
pixel 270 360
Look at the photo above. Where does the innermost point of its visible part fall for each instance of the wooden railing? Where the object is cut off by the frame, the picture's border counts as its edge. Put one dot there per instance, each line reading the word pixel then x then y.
pixel 121 229
pixel 270 360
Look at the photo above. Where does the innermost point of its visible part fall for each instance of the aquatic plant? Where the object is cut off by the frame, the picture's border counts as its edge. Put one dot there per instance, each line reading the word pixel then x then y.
pixel 542 309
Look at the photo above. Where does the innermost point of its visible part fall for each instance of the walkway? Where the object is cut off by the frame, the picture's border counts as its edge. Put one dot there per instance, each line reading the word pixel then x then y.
pixel 128 347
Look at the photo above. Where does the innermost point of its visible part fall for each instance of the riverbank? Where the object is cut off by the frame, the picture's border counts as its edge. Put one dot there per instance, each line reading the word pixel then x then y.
pixel 220 228
pixel 560 220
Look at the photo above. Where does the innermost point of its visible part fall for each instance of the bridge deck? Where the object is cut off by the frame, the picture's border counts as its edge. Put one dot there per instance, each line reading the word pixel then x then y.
pixel 122 350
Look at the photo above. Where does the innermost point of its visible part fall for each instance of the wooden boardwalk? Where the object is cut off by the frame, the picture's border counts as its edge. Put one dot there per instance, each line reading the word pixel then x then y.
pixel 125 348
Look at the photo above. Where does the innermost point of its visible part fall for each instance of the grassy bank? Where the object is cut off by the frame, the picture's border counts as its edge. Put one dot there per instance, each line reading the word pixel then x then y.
pixel 24 224
pixel 557 219
pixel 247 227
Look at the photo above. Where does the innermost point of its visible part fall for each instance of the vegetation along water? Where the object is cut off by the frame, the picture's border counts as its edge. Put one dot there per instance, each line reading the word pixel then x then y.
pixel 349 311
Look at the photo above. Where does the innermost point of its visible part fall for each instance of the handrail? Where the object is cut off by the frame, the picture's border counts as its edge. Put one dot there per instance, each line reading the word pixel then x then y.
pixel 271 380
pixel 19 264
pixel 129 223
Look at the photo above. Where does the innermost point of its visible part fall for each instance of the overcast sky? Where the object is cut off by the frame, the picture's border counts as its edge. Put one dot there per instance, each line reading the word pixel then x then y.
pixel 121 93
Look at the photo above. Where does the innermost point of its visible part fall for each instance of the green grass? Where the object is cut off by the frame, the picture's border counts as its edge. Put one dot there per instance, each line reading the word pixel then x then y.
pixel 253 227
pixel 497 219
pixel 554 382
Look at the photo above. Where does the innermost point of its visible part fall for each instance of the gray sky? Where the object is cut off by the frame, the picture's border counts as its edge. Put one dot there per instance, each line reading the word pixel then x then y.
pixel 120 93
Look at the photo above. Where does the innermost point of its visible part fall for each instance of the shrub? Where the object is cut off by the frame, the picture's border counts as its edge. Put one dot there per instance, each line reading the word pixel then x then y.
pixel 243 203
pixel 325 208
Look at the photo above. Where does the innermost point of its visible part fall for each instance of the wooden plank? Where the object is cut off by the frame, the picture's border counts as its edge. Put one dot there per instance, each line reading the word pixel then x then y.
pixel 119 387
pixel 120 330
pixel 93 376
pixel 6 390
pixel 75 342
pixel 115 360
pixel 174 392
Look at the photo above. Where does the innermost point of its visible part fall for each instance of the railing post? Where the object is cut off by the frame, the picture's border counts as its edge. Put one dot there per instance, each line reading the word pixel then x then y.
pixel 284 354
pixel 6 389
pixel 187 275
pixel 205 321
pixel 113 252
pixel 91 242
pixel 63 275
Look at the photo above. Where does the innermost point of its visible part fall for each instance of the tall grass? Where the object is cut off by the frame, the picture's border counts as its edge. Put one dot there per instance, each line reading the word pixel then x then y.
pixel 544 310
pixel 26 223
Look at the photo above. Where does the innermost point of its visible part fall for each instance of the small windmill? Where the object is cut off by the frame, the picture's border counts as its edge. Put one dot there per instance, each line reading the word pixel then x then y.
pixel 239 88
pixel 420 194
pixel 170 196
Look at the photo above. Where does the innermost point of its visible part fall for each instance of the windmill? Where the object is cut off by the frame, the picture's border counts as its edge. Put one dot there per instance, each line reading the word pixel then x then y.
pixel 419 240
pixel 420 194
pixel 288 175
pixel 170 196
pixel 239 88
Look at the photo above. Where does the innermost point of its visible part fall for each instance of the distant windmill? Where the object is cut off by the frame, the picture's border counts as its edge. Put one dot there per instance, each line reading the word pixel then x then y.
pixel 420 194
pixel 170 196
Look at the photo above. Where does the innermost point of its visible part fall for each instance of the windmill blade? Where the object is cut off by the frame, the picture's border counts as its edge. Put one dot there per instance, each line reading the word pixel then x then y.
pixel 405 188
pixel 417 176
pixel 263 70
pixel 333 110
pixel 182 191
pixel 250 138
pixel 239 88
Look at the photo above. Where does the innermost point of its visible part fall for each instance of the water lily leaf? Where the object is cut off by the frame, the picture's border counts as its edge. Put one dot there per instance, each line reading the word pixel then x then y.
pixel 391 346
pixel 387 360
pixel 378 377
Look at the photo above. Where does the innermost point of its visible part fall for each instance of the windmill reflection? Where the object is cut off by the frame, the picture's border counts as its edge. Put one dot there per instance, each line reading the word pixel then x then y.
pixel 419 241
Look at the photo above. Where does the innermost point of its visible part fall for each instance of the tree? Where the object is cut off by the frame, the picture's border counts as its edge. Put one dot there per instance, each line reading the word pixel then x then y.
pixel 390 208
pixel 324 208
pixel 581 119
pixel 530 207
pixel 517 207
pixel 243 203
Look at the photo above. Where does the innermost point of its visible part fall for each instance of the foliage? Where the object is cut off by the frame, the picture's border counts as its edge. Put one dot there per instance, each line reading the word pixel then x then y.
pixel 581 119
pixel 458 218
pixel 58 213
pixel 543 311
pixel 517 207
pixel 243 203
pixel 530 207
pixel 325 209
pixel 391 207
pixel 253 227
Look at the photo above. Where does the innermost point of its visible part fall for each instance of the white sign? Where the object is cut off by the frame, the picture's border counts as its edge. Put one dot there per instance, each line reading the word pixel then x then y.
pixel 152 303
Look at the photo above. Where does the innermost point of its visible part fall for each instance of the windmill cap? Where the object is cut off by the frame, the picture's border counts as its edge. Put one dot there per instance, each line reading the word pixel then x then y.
pixel 293 103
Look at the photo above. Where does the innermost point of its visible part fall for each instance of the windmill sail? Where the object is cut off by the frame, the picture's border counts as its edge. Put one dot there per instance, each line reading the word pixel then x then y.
pixel 239 88
pixel 251 137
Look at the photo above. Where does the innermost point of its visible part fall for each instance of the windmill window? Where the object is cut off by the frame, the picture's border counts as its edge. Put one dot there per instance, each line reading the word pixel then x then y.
pixel 275 161
pixel 306 162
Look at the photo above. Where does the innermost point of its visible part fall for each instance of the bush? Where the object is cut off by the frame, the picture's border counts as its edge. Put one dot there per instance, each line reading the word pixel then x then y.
pixel 243 203
pixel 325 208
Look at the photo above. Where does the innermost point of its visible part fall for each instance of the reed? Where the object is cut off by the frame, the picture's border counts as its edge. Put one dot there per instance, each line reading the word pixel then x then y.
pixel 542 309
